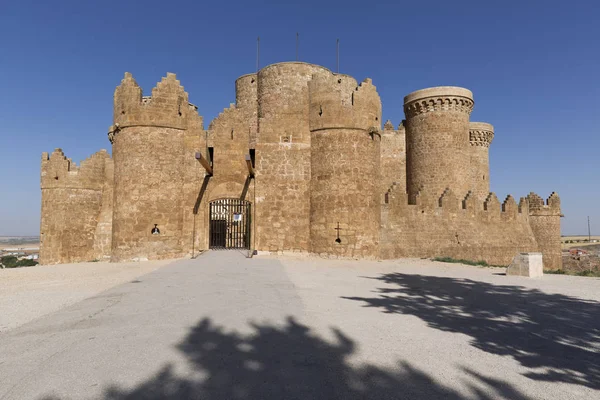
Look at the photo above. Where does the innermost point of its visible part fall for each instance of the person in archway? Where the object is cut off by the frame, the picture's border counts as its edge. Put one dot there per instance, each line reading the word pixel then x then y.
pixel 155 230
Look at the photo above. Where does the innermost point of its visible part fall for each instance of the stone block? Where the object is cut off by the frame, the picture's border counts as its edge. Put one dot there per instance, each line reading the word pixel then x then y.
pixel 526 264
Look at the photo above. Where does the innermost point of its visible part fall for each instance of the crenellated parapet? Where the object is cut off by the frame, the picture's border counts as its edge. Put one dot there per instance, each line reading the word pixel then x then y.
pixel 58 171
pixel 480 134
pixel 334 105
pixel 442 98
pixel 167 107
pixel 544 218
pixel 537 206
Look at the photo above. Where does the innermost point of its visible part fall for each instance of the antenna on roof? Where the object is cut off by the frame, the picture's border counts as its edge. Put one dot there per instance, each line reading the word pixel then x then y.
pixel 337 55
pixel 297 45
pixel 257 53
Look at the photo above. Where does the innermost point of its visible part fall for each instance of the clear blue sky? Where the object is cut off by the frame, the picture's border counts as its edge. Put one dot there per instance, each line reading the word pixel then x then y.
pixel 533 66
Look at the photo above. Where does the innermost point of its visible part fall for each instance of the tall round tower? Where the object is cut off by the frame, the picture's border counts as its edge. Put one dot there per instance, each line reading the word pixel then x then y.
pixel 246 99
pixel 344 187
pixel 437 140
pixel 148 148
pixel 283 156
pixel 481 135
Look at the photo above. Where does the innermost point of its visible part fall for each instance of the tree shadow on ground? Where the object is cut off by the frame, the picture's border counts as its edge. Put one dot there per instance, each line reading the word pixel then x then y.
pixel 556 336
pixel 291 362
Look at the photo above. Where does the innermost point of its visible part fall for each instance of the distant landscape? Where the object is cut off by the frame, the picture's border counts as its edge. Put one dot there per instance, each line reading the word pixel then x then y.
pixel 19 241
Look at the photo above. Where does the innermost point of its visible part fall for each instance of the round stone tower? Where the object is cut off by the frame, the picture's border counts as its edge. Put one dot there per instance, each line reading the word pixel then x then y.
pixel 246 99
pixel 481 135
pixel 344 188
pixel 283 156
pixel 437 140
pixel 148 148
pixel 246 91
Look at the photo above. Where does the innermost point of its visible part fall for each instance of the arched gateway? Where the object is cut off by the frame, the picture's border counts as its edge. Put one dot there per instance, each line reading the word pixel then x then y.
pixel 229 226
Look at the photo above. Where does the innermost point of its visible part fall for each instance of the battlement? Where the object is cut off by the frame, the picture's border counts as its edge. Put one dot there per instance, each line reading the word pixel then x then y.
pixel 58 171
pixel 537 206
pixel 167 107
pixel 442 98
pixel 428 201
pixel 481 134
pixel 336 102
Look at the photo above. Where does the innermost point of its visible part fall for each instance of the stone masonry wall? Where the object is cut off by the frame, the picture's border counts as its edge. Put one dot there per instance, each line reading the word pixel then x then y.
pixel 151 150
pixel 445 226
pixel 437 140
pixel 103 234
pixel 71 203
pixel 283 157
pixel 481 135
pixel 148 191
pixel 544 219
pixel 345 164
pixel 393 157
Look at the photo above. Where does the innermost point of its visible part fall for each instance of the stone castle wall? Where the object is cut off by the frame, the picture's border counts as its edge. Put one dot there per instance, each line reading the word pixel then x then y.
pixel 322 167
pixel 71 207
pixel 283 157
pixel 480 138
pixel 456 226
pixel 545 224
pixel 345 165
pixel 437 140
pixel 393 157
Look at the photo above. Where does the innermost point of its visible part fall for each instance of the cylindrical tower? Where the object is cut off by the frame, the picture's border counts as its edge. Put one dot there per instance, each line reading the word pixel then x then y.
pixel 148 148
pixel 246 91
pixel 437 140
pixel 344 188
pixel 283 156
pixel 246 99
pixel 544 219
pixel 481 135
pixel 71 203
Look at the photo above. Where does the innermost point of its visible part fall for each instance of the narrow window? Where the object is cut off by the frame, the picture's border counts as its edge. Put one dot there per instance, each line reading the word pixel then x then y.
pixel 211 155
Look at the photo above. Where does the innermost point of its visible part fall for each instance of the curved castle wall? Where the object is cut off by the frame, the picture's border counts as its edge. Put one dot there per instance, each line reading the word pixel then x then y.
pixel 437 140
pixel 345 164
pixel 148 148
pixel 71 204
pixel 481 135
pixel 544 218
pixel 283 156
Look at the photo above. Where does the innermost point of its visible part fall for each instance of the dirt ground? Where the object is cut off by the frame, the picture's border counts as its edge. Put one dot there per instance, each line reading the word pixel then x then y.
pixel 30 292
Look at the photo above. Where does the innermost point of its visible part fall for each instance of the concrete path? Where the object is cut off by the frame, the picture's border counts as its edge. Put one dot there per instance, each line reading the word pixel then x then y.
pixel 227 327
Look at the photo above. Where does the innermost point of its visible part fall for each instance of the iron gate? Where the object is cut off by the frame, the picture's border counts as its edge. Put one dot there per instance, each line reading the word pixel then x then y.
pixel 229 224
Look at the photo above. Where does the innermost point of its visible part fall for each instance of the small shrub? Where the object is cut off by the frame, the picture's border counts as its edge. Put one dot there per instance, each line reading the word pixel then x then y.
pixel 556 271
pixel 26 263
pixel 9 261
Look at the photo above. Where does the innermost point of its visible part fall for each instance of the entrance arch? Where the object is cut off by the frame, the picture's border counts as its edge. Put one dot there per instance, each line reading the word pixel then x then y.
pixel 229 224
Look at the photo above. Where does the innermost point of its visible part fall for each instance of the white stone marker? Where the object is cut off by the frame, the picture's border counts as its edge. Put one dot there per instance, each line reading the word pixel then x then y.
pixel 526 264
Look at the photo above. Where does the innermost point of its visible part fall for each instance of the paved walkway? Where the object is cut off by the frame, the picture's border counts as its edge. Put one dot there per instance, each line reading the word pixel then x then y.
pixel 227 327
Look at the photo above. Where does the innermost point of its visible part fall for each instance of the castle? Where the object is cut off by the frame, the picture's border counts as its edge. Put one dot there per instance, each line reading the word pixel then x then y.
pixel 299 163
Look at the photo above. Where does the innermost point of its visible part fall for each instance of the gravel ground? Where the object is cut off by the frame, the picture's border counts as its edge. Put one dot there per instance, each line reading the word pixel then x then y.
pixel 28 293
pixel 227 327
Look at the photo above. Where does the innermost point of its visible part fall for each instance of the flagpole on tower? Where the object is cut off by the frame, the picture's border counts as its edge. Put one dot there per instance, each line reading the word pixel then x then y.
pixel 257 53
pixel 337 55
